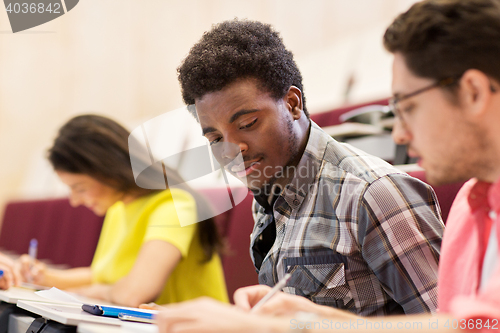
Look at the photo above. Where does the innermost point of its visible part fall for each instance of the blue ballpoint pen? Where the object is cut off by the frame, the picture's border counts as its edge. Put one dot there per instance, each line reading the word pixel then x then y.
pixel 32 252
pixel 111 311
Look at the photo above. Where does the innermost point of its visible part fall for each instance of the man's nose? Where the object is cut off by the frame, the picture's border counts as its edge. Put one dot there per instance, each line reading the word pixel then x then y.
pixel 400 133
pixel 225 152
pixel 231 150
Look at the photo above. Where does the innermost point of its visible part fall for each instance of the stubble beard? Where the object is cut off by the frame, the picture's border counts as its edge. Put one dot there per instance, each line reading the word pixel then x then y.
pixel 293 151
pixel 473 161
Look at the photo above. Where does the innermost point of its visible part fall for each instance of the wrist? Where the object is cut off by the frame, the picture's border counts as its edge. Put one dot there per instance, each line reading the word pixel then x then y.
pixel 276 325
pixel 302 322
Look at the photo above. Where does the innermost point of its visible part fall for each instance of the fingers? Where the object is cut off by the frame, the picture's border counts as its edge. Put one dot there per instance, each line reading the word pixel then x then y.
pixel 23 264
pixel 151 306
pixel 245 298
pixel 174 317
pixel 38 273
pixel 203 315
pixel 17 278
pixel 168 319
pixel 276 306
pixel 209 316
pixel 6 261
pixel 30 270
pixel 6 280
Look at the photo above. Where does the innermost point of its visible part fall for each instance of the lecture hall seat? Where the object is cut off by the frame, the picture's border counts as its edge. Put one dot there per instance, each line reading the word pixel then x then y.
pixel 66 235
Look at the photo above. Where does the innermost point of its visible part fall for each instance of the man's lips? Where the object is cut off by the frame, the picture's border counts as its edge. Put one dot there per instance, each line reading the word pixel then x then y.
pixel 243 169
pixel 413 154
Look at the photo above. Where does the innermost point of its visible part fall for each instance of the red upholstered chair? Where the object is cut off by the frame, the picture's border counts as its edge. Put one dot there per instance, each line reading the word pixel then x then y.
pixel 66 235
pixel 238 267
pixel 235 225
pixel 331 117
pixel 445 193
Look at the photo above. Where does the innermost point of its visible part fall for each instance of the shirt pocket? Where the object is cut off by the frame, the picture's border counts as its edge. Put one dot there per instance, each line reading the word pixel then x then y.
pixel 320 278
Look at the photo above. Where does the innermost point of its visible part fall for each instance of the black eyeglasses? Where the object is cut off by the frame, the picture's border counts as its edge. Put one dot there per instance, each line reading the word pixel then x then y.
pixel 394 101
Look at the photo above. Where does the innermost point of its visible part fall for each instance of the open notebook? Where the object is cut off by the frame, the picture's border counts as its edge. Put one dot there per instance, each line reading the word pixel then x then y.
pixel 67 309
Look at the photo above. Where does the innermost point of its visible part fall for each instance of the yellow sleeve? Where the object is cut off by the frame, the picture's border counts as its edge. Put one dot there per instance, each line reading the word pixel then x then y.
pixel 174 221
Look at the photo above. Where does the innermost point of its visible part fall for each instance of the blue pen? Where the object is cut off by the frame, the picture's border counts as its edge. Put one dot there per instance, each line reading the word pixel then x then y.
pixel 111 311
pixel 32 252
pixel 33 249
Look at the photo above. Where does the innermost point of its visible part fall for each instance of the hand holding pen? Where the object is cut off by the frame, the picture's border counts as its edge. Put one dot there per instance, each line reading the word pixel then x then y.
pixel 32 270
pixel 277 288
pixel 9 276
pixel 257 298
pixel 32 252
pixel 261 299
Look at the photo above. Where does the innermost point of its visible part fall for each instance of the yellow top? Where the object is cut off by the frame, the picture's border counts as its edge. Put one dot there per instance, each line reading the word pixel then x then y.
pixel 154 217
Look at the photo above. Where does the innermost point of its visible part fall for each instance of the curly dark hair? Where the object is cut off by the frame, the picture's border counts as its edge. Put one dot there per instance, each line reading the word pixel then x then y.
pixel 234 50
pixel 444 38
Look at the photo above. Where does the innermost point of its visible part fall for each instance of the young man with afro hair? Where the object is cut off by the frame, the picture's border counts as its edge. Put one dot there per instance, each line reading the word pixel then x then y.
pixel 355 233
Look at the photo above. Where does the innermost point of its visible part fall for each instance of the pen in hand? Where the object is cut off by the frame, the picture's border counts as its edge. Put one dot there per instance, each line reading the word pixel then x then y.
pixel 4 286
pixel 32 252
pixel 280 285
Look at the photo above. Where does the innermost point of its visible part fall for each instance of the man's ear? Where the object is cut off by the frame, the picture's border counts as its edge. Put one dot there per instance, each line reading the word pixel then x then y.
pixel 475 92
pixel 293 100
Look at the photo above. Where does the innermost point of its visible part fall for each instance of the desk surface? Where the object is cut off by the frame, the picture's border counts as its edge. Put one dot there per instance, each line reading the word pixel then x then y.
pixel 65 313
pixel 97 328
pixel 14 294
pixel 125 328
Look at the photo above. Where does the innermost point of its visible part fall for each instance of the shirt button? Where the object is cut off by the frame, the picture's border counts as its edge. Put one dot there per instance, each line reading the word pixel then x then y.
pixel 260 225
pixel 296 202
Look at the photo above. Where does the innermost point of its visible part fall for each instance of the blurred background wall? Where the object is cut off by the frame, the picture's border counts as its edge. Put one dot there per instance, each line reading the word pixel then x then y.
pixel 119 58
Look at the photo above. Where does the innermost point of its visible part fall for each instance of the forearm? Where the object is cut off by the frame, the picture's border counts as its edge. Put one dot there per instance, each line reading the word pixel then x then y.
pixel 67 278
pixel 130 292
pixel 120 293
pixel 145 282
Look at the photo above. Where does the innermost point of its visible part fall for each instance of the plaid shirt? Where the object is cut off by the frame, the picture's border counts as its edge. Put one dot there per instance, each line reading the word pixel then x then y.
pixel 356 233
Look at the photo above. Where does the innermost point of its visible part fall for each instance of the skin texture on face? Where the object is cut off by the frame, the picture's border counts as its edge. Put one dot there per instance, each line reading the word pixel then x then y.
pixel 271 134
pixel 447 137
pixel 89 192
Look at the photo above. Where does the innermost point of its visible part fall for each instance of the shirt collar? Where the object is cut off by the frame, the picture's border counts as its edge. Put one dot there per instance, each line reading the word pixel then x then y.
pixel 494 197
pixel 485 196
pixel 305 173
pixel 307 168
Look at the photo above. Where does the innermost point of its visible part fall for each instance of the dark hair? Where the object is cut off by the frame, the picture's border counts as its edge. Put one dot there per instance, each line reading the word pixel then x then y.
pixel 445 38
pixel 98 147
pixel 235 50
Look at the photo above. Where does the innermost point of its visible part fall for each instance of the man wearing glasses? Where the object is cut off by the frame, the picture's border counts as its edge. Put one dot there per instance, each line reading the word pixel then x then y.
pixel 446 78
pixel 446 81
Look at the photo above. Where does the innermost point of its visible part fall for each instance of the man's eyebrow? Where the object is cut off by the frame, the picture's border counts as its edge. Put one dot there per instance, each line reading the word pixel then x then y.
pixel 207 130
pixel 240 113
pixel 233 118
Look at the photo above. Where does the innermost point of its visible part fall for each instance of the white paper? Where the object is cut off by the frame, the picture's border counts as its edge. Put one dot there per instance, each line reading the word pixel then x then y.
pixel 57 295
